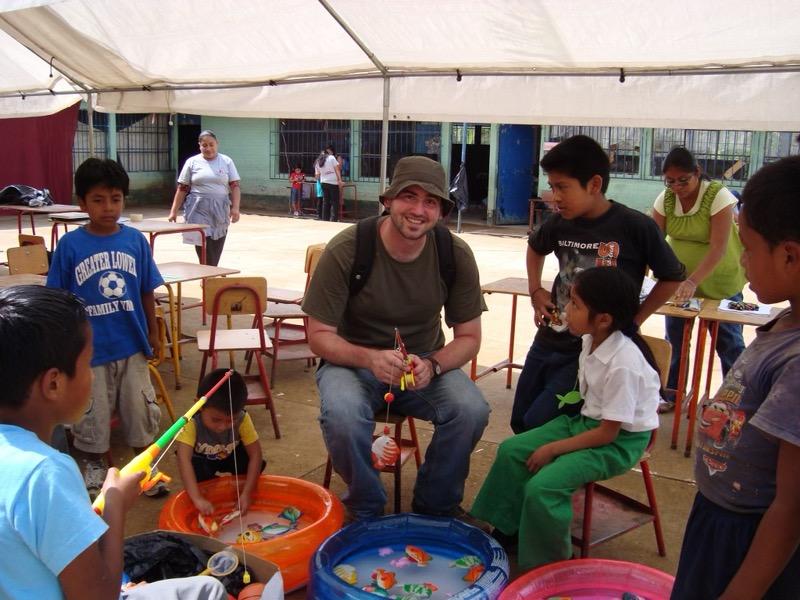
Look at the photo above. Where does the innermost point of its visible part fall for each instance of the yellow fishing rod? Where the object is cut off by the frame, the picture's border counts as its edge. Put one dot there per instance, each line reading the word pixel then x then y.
pixel 143 462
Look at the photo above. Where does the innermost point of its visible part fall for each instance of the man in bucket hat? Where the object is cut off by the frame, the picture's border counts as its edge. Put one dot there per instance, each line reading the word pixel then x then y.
pixel 354 333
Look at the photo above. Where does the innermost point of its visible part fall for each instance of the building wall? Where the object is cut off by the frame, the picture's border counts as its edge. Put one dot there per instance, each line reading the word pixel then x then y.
pixel 249 142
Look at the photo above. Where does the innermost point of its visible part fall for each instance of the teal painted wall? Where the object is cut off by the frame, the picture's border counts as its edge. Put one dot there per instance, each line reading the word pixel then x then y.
pixel 253 145
pixel 638 194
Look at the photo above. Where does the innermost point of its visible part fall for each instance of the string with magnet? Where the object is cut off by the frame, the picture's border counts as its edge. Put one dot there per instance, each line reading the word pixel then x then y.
pixel 385 450
pixel 246 576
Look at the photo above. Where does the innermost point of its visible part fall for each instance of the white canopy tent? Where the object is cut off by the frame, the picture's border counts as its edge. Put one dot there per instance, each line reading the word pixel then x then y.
pixel 521 61
pixel 732 64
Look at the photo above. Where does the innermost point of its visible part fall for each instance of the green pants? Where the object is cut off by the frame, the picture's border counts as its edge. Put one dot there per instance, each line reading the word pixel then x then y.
pixel 539 506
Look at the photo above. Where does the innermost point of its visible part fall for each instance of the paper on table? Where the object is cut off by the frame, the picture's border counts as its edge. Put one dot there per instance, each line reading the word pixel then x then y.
pixel 763 309
pixel 690 304
pixel 648 284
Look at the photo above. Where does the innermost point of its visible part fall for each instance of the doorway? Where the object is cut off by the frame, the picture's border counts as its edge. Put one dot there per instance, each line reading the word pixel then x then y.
pixel 477 160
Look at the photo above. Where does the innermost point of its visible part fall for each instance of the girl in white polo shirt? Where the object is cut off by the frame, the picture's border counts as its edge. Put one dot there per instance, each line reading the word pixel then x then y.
pixel 528 492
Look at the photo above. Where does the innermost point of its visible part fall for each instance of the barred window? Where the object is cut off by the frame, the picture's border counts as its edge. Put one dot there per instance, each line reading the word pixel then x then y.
pixel 779 144
pixel 300 141
pixel 143 142
pixel 80 145
pixel 482 131
pixel 406 138
pixel 622 144
pixel 721 155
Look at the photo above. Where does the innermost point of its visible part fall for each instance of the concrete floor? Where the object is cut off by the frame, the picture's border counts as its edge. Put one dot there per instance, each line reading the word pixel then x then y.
pixel 274 246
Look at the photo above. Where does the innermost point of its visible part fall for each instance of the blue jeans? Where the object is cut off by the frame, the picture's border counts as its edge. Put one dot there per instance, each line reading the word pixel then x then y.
pixel 730 344
pixel 452 402
pixel 545 374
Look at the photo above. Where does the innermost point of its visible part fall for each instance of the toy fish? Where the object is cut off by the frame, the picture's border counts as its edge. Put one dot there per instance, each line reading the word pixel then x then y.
pixel 346 573
pixel 466 561
pixel 229 517
pixel 373 589
pixel 276 529
pixel 418 590
pixel 208 524
pixel 290 513
pixel 572 397
pixel 384 579
pixel 474 573
pixel 384 450
pixel 249 536
pixel 418 555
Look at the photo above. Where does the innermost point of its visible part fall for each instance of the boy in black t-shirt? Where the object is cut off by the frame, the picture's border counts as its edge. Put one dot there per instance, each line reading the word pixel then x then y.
pixel 588 230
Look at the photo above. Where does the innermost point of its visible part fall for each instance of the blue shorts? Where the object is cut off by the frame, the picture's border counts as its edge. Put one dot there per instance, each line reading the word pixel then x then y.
pixel 714 546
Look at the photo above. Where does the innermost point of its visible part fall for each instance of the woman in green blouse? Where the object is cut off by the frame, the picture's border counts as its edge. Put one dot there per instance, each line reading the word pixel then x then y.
pixel 696 215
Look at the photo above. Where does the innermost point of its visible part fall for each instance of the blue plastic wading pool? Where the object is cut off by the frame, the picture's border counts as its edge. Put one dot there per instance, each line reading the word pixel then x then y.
pixel 408 556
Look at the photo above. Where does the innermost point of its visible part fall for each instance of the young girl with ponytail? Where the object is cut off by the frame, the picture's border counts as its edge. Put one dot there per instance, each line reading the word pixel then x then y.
pixel 528 492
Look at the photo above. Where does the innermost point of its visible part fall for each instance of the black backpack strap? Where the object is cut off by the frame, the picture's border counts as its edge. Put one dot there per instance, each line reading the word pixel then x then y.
pixel 366 232
pixel 447 261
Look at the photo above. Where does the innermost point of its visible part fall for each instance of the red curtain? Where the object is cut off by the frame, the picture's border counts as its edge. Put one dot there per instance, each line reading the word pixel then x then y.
pixel 37 151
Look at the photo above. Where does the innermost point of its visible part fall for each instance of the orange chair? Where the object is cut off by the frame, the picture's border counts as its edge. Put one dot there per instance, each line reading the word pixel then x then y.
pixel 620 513
pixel 239 296
pixel 408 447
pixel 290 340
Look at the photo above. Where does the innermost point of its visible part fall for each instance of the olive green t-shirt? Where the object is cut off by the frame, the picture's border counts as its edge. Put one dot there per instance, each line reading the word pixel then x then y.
pixel 408 296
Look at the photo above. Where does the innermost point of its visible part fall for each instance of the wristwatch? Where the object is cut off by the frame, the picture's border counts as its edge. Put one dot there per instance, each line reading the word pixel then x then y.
pixel 435 366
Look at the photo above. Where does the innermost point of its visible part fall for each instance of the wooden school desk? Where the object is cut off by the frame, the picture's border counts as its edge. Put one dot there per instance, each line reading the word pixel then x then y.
pixel 32 211
pixel 710 317
pixel 668 310
pixel 21 279
pixel 151 227
pixel 516 286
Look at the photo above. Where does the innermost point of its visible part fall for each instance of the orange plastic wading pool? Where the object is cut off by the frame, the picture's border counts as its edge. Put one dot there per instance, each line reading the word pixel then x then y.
pixel 322 515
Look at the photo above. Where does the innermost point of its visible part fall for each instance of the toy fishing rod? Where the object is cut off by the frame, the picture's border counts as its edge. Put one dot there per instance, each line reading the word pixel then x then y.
pixel 144 462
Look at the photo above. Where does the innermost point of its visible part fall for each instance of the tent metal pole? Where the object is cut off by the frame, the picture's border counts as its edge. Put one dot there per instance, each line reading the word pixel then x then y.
pixel 90 114
pixel 384 137
pixel 463 163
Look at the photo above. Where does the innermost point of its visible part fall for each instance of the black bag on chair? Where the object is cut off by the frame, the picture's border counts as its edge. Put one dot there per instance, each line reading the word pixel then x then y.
pixel 25 195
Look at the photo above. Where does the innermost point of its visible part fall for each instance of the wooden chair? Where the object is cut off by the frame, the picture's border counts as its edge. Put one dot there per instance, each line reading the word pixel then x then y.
pixel 162 397
pixel 290 340
pixel 152 365
pixel 239 296
pixel 27 259
pixel 26 239
pixel 621 513
pixel 408 447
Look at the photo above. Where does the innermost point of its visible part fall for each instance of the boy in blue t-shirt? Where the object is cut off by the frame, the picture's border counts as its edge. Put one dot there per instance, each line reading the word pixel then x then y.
pixel 110 267
pixel 588 230
pixel 742 536
pixel 55 546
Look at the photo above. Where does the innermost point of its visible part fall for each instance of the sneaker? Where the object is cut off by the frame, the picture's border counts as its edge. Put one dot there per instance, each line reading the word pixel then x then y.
pixel 94 474
pixel 158 490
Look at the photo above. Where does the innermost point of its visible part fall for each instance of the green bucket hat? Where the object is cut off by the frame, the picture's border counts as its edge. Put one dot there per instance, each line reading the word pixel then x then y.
pixel 424 172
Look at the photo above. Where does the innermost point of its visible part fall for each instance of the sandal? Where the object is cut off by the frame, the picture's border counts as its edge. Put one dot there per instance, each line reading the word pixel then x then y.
pixel 665 406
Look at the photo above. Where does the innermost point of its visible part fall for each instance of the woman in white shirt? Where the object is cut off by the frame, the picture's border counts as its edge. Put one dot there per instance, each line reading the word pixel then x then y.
pixel 329 174
pixel 208 191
